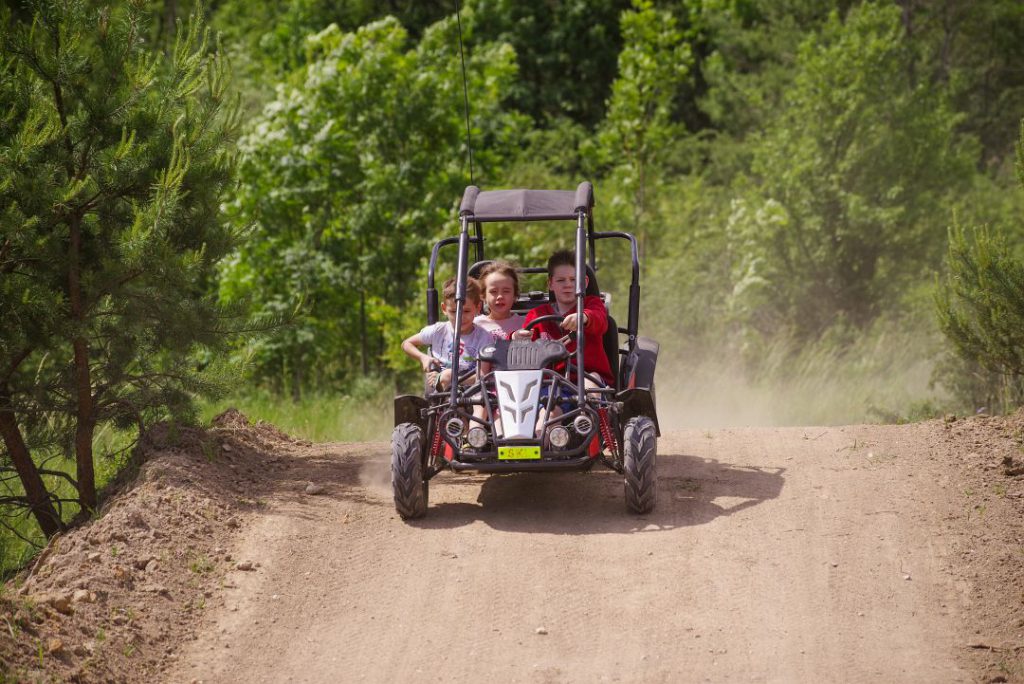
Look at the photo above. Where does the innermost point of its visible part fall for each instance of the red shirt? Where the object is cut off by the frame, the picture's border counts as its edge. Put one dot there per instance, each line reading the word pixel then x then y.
pixel 594 358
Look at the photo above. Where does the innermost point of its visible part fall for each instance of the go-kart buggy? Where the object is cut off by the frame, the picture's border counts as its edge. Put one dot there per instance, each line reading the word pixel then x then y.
pixel 615 425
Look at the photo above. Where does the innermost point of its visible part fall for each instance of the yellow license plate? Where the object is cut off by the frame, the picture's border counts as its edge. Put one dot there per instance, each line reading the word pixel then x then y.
pixel 518 453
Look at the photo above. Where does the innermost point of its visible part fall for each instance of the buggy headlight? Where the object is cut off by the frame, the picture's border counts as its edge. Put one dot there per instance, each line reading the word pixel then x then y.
pixel 558 436
pixel 454 427
pixel 477 437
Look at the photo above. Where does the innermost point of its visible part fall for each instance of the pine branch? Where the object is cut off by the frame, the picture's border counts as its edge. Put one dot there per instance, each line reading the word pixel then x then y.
pixel 59 473
pixel 58 97
pixel 5 265
pixel 105 290
pixel 13 365
pixel 13 530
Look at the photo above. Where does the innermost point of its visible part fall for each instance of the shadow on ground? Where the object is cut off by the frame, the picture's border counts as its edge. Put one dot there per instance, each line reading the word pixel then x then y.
pixel 691 491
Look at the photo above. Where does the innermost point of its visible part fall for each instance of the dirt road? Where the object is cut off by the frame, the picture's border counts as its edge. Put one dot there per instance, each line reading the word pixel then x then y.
pixel 799 554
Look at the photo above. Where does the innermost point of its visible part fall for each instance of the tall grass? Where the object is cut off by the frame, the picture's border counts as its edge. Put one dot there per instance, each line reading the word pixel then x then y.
pixel 886 377
pixel 363 415
pixel 22 539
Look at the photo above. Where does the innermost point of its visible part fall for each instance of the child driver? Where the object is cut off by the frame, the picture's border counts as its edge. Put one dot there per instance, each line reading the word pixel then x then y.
pixel 594 319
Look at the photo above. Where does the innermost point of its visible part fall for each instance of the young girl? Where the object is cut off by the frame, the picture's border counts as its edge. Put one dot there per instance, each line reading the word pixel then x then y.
pixel 501 289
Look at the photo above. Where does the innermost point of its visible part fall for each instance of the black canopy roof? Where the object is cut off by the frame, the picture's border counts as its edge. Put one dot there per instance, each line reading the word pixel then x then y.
pixel 526 205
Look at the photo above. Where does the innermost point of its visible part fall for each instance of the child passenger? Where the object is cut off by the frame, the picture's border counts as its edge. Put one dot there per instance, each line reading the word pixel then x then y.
pixel 441 335
pixel 501 289
pixel 593 320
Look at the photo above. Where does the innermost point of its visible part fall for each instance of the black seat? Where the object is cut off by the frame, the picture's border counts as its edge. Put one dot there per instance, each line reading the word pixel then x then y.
pixel 610 341
pixel 476 269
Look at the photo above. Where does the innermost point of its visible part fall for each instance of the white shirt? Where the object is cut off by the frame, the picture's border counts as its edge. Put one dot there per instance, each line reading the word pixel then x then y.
pixel 440 337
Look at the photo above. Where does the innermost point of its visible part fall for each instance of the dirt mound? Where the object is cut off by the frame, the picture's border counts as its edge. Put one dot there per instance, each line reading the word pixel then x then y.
pixel 113 599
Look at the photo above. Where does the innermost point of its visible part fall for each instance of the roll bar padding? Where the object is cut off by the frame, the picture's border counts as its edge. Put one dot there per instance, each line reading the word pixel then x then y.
pixel 468 200
pixel 584 197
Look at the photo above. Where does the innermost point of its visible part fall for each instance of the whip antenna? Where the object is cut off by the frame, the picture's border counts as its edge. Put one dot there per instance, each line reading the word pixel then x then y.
pixel 465 94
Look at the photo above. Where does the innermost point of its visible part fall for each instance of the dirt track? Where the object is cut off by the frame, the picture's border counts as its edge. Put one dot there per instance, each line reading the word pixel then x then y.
pixel 801 554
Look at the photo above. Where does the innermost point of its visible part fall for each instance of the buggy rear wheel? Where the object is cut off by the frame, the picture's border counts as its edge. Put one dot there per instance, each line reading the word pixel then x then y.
pixel 410 489
pixel 639 455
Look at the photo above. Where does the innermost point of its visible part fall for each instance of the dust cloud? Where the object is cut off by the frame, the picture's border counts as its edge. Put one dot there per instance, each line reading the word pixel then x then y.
pixel 717 393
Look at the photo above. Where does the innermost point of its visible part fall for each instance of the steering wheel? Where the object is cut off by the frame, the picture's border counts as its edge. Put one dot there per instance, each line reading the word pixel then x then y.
pixel 543 319
pixel 568 337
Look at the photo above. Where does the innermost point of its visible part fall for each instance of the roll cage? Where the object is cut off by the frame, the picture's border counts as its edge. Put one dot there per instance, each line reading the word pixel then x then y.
pixel 480 207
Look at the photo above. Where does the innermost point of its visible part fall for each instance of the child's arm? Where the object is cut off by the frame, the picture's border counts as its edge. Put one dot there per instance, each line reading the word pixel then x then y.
pixel 410 346
pixel 523 334
pixel 595 321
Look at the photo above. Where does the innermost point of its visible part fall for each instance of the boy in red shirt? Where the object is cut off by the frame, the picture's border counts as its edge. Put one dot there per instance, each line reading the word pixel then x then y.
pixel 562 282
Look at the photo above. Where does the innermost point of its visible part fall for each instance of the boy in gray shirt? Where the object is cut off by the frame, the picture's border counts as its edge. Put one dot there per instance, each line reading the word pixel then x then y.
pixel 441 335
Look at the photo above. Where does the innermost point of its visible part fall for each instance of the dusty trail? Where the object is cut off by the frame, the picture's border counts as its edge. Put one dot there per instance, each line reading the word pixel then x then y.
pixel 775 555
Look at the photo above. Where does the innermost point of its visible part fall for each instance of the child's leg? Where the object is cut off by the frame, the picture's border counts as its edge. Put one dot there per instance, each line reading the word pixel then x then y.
pixel 542 417
pixel 542 414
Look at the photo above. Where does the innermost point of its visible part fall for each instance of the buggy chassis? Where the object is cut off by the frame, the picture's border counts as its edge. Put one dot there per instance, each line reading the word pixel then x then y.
pixel 616 425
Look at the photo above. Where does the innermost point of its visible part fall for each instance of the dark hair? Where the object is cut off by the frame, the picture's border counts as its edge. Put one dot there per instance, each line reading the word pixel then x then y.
pixel 472 290
pixel 562 257
pixel 503 268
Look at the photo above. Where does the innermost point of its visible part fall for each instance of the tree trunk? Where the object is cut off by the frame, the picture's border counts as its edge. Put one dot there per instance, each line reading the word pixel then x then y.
pixel 84 414
pixel 170 20
pixel 907 18
pixel 362 332
pixel 35 491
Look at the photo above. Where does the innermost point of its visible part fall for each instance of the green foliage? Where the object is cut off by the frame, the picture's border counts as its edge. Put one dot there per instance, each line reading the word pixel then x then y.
pixel 980 306
pixel 638 131
pixel 746 51
pixel 790 166
pixel 981 310
pixel 267 40
pixel 346 177
pixel 845 207
pixel 977 49
pixel 114 159
pixel 567 52
pixel 273 34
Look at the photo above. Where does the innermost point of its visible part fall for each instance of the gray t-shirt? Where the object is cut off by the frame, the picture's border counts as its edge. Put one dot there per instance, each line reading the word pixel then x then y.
pixel 440 337
pixel 501 329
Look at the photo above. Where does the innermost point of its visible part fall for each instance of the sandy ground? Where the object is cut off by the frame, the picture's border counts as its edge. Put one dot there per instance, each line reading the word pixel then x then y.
pixel 775 555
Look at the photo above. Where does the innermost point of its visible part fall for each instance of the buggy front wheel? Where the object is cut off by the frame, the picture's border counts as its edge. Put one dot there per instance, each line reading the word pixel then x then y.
pixel 639 456
pixel 407 483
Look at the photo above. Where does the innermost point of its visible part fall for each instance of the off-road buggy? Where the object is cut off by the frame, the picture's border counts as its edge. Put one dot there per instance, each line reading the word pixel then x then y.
pixel 616 426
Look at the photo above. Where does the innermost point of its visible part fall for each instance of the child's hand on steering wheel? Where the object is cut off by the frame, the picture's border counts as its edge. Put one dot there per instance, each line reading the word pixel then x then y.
pixel 571 322
pixel 522 334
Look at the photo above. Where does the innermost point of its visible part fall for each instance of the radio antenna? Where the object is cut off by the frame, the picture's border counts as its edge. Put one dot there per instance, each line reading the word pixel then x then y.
pixel 465 94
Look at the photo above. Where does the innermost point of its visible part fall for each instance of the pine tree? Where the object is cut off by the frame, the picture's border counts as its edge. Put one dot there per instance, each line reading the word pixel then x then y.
pixel 113 162
pixel 981 304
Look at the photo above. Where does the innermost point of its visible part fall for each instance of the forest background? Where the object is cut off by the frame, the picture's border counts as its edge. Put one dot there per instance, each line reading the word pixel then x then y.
pixel 826 195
